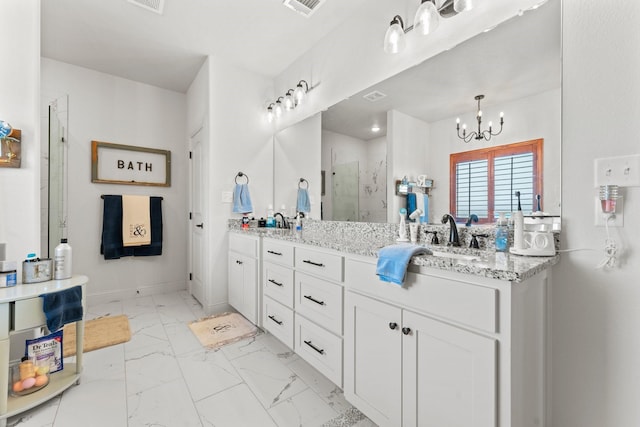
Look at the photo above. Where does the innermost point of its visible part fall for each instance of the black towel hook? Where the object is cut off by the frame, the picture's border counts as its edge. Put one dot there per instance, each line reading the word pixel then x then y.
pixel 240 174
pixel 301 181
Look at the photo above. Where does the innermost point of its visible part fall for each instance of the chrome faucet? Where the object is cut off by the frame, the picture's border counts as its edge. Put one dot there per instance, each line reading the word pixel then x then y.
pixel 454 240
pixel 284 223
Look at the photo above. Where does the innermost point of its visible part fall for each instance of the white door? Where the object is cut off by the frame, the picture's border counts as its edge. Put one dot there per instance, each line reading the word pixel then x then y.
pixel 449 375
pixel 373 359
pixel 197 273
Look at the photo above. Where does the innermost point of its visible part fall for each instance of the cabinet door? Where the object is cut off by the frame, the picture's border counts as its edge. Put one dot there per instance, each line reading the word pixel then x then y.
pixel 243 285
pixel 449 375
pixel 373 359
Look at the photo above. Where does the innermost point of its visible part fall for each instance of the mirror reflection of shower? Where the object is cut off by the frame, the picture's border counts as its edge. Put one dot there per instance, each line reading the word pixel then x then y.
pixel 55 169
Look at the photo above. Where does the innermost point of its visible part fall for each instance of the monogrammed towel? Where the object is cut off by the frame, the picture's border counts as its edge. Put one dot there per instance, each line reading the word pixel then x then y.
pixel 136 221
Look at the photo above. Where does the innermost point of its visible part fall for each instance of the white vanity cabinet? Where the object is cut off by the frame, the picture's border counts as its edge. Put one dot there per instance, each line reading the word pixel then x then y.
pixel 278 289
pixel 445 349
pixel 243 275
pixel 303 302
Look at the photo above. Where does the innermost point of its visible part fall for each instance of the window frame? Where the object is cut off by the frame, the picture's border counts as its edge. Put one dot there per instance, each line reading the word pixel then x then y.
pixel 534 146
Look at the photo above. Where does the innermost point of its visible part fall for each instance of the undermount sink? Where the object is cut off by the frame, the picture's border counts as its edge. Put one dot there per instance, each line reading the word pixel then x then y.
pixel 452 255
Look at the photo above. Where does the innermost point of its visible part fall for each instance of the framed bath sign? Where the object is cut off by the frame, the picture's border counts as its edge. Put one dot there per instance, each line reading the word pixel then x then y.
pixel 129 165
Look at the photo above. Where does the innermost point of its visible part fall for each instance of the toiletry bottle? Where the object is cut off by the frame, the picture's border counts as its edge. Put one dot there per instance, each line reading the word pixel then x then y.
pixel 502 234
pixel 62 261
pixel 271 220
pixel 518 226
pixel 298 224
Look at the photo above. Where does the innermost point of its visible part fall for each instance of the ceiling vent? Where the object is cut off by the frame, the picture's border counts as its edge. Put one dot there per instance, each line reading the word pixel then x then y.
pixel 374 96
pixel 304 7
pixel 156 6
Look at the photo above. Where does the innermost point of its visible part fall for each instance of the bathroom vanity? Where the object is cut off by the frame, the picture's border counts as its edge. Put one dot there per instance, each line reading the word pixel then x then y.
pixel 461 343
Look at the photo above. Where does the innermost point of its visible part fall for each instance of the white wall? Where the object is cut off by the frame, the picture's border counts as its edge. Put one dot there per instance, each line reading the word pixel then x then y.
pixel 229 101
pixel 111 109
pixel 19 105
pixel 407 139
pixel 296 154
pixel 596 343
pixel 533 117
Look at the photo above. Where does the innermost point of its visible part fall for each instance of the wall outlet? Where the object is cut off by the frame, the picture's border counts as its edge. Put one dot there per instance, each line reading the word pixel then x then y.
pixel 623 171
pixel 227 197
pixel 616 221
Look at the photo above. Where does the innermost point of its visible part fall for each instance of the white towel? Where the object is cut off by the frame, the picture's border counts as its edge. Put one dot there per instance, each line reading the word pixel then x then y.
pixel 136 221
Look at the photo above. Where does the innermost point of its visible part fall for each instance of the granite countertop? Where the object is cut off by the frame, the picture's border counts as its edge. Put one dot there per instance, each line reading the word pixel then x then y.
pixel 485 263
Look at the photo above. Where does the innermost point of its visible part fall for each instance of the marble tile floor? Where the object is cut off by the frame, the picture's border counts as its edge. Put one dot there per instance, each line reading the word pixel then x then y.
pixel 164 377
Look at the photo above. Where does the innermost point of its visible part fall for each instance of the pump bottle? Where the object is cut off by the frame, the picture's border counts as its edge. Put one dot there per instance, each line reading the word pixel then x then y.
pixel 62 261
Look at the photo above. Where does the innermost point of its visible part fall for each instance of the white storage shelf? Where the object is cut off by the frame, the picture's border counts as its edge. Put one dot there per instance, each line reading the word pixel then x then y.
pixel 21 309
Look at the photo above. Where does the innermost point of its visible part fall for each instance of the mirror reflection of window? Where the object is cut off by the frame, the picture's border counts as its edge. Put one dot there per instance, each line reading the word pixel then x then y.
pixel 484 181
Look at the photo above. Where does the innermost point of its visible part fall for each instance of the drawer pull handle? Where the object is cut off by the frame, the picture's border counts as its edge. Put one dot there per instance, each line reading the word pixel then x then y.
pixel 238 262
pixel 279 322
pixel 310 298
pixel 393 325
pixel 274 253
pixel 308 261
pixel 406 330
pixel 275 283
pixel 319 350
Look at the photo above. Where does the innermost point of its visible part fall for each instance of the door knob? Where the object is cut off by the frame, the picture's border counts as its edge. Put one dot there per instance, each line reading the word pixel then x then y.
pixel 393 325
pixel 201 225
pixel 406 330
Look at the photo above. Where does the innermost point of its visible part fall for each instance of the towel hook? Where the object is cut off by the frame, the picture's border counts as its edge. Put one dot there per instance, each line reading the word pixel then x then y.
pixel 301 181
pixel 240 174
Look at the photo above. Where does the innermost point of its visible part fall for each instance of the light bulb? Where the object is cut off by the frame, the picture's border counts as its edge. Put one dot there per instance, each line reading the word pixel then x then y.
pixel 299 93
pixel 277 110
pixel 394 39
pixel 375 128
pixel 462 5
pixel 288 102
pixel 479 113
pixel 457 120
pixel 427 18
pixel 501 114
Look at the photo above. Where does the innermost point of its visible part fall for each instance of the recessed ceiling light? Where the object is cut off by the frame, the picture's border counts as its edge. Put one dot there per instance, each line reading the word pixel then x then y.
pixel 375 128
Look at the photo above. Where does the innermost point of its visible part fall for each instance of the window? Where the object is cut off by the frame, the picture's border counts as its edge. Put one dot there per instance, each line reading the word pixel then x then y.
pixel 484 181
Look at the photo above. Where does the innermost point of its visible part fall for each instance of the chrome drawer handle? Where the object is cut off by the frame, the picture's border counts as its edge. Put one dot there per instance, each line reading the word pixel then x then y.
pixel 308 261
pixel 310 298
pixel 319 350
pixel 275 320
pixel 274 253
pixel 275 283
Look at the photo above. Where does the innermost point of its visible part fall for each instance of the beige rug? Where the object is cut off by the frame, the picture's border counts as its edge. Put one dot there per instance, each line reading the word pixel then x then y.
pixel 98 333
pixel 215 331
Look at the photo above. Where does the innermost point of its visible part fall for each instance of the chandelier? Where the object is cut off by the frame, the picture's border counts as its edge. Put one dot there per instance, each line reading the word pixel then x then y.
pixel 479 134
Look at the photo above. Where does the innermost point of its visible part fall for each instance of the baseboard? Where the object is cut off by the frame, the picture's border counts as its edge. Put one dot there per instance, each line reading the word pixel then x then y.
pixel 123 294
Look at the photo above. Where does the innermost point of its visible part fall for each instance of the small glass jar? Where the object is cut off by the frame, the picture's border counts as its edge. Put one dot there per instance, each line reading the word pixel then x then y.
pixel 28 376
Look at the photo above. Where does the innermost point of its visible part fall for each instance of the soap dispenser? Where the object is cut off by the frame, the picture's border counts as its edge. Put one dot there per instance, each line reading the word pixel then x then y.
pixel 502 233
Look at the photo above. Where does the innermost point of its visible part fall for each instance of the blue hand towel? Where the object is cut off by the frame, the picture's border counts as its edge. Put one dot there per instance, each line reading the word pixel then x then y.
pixel 303 204
pixel 62 307
pixel 394 259
pixel 242 199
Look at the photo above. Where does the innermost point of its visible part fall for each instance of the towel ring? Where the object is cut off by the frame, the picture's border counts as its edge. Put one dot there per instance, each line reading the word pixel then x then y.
pixel 301 181
pixel 240 174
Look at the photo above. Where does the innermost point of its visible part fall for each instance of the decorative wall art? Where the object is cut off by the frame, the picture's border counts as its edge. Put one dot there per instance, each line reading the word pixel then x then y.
pixel 10 150
pixel 129 165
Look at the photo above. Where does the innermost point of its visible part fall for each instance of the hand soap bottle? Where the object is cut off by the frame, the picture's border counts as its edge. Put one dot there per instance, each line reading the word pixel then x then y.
pixel 502 234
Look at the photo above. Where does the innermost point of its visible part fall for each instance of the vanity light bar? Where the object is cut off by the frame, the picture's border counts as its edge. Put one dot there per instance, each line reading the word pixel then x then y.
pixel 291 99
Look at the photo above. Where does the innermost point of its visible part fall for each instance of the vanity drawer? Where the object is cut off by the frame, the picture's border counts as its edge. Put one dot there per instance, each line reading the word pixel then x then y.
pixel 27 314
pixel 467 303
pixel 278 320
pixel 320 348
pixel 319 263
pixel 320 301
pixel 243 244
pixel 277 252
pixel 278 283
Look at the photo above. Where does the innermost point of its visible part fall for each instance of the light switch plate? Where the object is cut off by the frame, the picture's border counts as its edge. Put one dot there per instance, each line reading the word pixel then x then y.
pixel 623 171
pixel 227 197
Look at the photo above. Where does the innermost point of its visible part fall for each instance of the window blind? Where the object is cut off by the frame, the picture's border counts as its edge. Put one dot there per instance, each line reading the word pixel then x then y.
pixel 472 188
pixel 511 174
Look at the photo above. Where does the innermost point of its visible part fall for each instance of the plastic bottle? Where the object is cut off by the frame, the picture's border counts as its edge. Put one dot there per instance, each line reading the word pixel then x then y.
pixel 62 261
pixel 502 234
pixel 271 221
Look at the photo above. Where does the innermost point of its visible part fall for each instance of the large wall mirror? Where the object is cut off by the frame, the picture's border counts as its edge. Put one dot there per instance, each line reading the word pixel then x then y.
pixel 516 66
